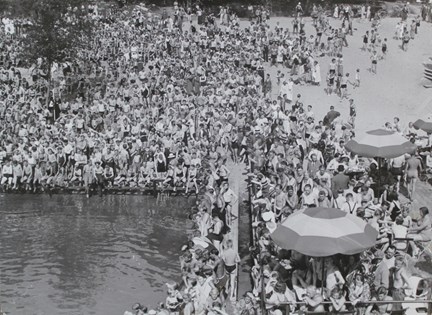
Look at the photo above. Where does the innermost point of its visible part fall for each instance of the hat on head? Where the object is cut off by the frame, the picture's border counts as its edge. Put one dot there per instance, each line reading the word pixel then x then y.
pixel 268 216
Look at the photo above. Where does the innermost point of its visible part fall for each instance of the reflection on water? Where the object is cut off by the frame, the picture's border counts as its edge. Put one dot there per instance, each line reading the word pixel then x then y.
pixel 72 255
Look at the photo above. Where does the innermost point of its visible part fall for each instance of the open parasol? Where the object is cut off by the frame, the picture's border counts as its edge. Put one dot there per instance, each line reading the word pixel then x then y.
pixel 321 232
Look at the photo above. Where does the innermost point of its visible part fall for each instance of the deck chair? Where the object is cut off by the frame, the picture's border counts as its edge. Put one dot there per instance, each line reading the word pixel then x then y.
pixel 401 244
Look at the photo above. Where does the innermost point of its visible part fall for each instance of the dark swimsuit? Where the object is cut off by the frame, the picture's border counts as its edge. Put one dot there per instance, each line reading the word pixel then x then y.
pixel 230 268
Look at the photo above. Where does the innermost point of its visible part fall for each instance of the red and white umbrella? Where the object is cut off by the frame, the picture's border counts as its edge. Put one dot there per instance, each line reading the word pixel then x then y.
pixel 321 232
pixel 380 143
pixel 425 125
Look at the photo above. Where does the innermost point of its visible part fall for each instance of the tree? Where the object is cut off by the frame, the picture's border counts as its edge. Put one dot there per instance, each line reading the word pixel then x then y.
pixel 58 30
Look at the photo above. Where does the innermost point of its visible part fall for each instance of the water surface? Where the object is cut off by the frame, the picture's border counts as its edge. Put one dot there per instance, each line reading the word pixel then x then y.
pixel 72 255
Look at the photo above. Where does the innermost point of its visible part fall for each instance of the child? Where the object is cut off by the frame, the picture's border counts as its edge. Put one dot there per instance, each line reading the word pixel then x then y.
pixel 374 59
pixel 384 48
pixel 357 79
pixel 279 76
pixel 338 300
pixel 352 113
pixel 120 180
pixel 330 82
pixel 27 175
pixel 192 174
pixel 144 174
pixel 365 40
pixel 344 80
pixel 130 178
pixel 169 179
pixel 399 231
pixel 76 176
pixel 405 41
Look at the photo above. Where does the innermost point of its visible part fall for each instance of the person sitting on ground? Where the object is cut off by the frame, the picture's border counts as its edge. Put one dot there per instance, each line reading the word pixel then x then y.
pixel 381 308
pixel 337 300
pixel 399 233
pixel 358 290
pixel 422 232
pixel 313 300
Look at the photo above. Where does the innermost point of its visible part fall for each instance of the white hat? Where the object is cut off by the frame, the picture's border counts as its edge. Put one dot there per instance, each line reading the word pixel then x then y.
pixel 268 216
pixel 152 312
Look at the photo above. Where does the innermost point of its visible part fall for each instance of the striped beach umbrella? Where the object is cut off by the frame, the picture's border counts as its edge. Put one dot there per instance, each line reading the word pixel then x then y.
pixel 380 143
pixel 425 125
pixel 321 232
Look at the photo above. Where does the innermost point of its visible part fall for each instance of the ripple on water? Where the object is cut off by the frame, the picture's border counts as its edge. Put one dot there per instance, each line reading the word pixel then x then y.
pixel 88 257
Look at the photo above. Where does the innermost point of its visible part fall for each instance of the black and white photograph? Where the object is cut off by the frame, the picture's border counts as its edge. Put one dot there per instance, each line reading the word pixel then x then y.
pixel 215 157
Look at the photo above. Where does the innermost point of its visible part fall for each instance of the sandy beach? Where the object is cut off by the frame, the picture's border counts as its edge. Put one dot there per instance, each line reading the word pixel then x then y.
pixel 396 89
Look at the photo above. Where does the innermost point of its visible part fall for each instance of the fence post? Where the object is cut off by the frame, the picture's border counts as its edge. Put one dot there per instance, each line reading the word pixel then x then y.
pixel 429 297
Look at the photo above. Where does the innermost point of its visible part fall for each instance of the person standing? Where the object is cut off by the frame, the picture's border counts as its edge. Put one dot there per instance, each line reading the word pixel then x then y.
pixel 316 73
pixel 374 60
pixel 412 168
pixel 88 177
pixel 422 232
pixel 399 277
pixel 231 260
pixel 98 172
pixel 405 41
pixel 382 273
pixel 267 85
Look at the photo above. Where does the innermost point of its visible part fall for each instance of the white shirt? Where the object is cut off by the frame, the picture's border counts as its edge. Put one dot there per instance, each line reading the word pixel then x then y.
pixel 350 207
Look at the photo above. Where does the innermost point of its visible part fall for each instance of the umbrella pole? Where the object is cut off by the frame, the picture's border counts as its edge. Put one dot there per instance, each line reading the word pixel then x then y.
pixel 379 177
pixel 322 275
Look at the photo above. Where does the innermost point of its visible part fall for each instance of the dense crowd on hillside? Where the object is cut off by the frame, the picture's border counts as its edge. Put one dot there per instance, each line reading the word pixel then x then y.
pixel 168 98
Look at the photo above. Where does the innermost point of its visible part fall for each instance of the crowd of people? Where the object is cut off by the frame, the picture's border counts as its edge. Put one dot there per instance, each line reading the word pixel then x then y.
pixel 175 98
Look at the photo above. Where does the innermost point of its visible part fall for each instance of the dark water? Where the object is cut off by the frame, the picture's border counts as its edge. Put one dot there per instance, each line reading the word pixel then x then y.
pixel 72 255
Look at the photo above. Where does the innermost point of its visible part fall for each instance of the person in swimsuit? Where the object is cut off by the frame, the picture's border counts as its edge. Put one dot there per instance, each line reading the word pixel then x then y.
pixel 382 308
pixel 88 177
pixel 423 231
pixel 231 258
pixel 192 178
pixel 412 167
pixel 374 59
pixel 161 164
pixel 98 172
pixel 365 40
pixel 173 301
pixel 400 282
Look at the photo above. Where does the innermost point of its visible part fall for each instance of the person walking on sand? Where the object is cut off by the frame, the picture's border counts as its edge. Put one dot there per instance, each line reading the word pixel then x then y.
pixel 374 60
pixel 412 168
pixel 384 48
pixel 357 79
pixel 344 86
pixel 405 41
pixel 365 40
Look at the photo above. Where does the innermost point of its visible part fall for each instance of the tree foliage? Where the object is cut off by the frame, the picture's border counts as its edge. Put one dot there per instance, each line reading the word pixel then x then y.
pixel 58 29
